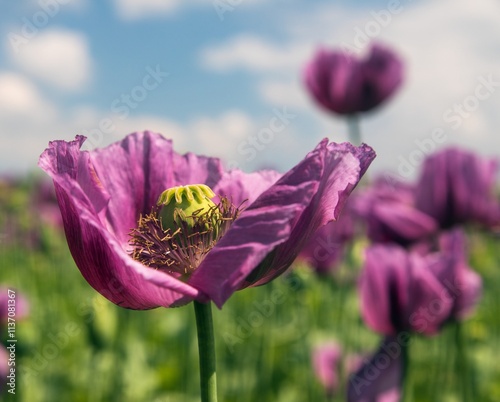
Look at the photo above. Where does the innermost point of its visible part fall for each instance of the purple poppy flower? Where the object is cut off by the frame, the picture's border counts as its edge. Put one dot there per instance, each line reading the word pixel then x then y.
pixel 107 194
pixel 10 297
pixel 380 378
pixel 464 284
pixel 406 291
pixel 325 249
pixel 456 186
pixel 326 360
pixel 390 215
pixel 344 84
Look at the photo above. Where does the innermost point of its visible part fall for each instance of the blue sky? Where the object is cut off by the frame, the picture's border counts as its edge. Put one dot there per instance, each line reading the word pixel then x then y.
pixel 222 77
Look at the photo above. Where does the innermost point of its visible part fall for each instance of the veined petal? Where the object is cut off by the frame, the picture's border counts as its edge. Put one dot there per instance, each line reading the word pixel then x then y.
pixel 251 237
pixel 96 235
pixel 286 215
pixel 242 187
pixel 338 169
pixel 195 169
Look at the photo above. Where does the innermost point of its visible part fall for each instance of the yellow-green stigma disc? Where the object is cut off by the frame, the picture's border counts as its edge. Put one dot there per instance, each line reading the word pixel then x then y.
pixel 185 204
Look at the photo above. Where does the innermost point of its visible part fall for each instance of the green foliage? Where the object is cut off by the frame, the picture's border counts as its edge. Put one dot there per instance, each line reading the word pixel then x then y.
pixel 76 346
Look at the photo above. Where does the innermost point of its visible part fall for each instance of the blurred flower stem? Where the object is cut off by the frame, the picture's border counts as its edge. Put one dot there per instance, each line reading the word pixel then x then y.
pixel 354 129
pixel 120 355
pixel 407 394
pixel 465 374
pixel 206 347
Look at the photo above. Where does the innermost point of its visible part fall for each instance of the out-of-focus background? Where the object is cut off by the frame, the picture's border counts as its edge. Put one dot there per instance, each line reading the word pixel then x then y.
pixel 225 68
pixel 213 75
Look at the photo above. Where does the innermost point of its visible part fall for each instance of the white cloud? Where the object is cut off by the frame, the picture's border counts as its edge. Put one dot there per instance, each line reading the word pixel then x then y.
pixel 220 136
pixel 217 136
pixel 233 136
pixel 58 57
pixel 26 122
pixel 19 97
pixel 133 9
pixel 209 135
pixel 168 128
pixel 281 92
pixel 253 53
pixel 25 129
pixel 446 46
pixel 444 61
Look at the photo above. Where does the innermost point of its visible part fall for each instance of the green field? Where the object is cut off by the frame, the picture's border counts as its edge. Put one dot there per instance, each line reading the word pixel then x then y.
pixel 76 346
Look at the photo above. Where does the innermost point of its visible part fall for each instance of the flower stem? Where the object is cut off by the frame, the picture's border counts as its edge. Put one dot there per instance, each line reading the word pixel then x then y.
pixel 406 378
pixel 206 347
pixel 354 130
pixel 465 372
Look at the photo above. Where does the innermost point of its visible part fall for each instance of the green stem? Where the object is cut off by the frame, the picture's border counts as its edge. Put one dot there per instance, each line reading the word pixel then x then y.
pixel 120 355
pixel 354 130
pixel 206 347
pixel 406 378
pixel 465 372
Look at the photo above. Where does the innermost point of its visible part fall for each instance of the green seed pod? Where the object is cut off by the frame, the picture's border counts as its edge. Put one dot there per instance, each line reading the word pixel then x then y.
pixel 186 204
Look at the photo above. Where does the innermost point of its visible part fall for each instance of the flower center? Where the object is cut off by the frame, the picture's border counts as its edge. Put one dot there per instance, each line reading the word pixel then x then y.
pixel 181 229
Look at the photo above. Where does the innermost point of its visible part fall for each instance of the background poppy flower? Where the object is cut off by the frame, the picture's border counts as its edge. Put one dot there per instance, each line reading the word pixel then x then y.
pixel 326 360
pixel 21 305
pixel 389 212
pixel 345 84
pixel 406 291
pixel 456 186
pixel 326 248
pixel 380 379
